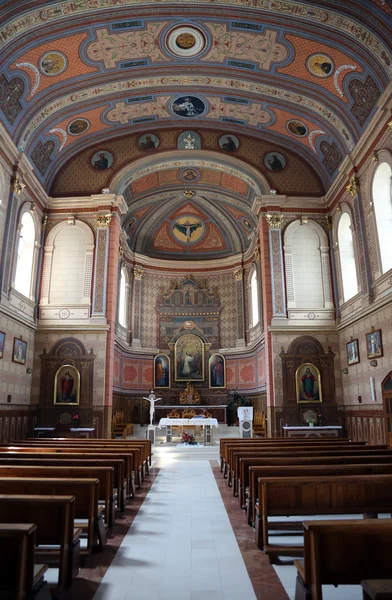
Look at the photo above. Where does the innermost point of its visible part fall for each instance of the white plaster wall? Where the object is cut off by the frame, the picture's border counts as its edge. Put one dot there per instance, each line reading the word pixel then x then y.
pixel 67 277
pixel 307 268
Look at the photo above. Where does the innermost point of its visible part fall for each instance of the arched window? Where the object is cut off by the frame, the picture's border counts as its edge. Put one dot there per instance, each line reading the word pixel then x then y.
pixel 347 258
pixel 24 264
pixel 122 311
pixel 382 199
pixel 254 295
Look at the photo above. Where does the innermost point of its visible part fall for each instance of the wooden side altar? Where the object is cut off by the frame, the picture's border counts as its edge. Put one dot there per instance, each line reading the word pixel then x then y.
pixel 316 431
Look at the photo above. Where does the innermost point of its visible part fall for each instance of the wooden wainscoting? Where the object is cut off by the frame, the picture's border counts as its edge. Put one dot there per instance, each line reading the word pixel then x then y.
pixel 365 425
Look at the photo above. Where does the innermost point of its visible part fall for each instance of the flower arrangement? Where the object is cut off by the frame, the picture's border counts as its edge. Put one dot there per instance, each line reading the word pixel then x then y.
pixel 76 420
pixel 311 421
pixel 189 439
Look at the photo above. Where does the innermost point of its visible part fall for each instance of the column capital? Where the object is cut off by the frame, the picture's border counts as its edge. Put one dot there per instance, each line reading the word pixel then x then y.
pixel 238 274
pixel 353 187
pixel 103 221
pixel 138 273
pixel 274 221
pixel 328 222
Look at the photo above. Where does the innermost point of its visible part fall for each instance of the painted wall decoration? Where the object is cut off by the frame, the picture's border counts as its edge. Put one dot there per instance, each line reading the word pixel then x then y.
pixel 332 156
pixel 66 385
pixel 41 156
pixel 320 65
pixel 230 143
pixel 2 341
pixel 189 358
pixel 101 160
pixel 78 126
pixel 352 352
pixel 297 128
pixel 365 95
pixel 19 351
pixel 374 344
pixel 275 161
pixel 217 371
pixel 53 63
pixel 162 371
pixel 188 106
pixel 11 91
pixel 148 141
pixel 188 229
pixel 308 383
pixel 188 140
pixel 189 175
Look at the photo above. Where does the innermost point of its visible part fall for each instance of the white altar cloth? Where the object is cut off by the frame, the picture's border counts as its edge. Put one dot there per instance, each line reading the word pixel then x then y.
pixel 198 422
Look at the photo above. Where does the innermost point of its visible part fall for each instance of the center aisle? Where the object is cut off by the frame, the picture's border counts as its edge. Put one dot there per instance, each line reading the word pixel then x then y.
pixel 181 544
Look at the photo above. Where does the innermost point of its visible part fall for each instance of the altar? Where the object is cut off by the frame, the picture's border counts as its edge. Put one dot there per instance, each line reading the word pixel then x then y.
pixel 189 425
pixel 316 431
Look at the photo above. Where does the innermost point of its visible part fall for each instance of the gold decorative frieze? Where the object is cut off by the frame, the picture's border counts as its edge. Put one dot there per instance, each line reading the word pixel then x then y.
pixel 18 186
pixel 138 273
pixel 238 274
pixel 103 220
pixel 274 221
pixel 353 187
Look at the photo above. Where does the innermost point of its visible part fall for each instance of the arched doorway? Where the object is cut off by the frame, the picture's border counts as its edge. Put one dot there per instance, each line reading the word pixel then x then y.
pixel 386 387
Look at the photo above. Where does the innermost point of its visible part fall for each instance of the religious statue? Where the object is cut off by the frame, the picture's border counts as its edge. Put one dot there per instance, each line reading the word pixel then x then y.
pixel 152 399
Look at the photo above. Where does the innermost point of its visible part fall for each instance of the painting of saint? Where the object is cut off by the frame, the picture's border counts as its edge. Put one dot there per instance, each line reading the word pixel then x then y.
pixel 101 160
pixel 275 161
pixel 230 143
pixel 188 229
pixel 78 126
pixel 162 371
pixel 352 352
pixel 320 65
pixel 19 352
pixel 189 358
pixel 148 142
pixel 2 340
pixel 217 371
pixel 189 175
pixel 67 385
pixel 53 63
pixel 297 128
pixel 374 344
pixel 308 383
pixel 188 106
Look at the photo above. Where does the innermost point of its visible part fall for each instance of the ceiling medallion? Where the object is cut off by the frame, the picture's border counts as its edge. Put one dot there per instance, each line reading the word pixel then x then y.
pixel 185 41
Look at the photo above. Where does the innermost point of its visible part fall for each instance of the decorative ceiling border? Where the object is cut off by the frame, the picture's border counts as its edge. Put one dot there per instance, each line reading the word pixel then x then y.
pixel 153 83
pixel 327 18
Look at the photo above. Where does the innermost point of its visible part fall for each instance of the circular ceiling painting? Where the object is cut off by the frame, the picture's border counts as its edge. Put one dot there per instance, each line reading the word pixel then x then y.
pixel 188 106
pixel 188 229
pixel 186 41
pixel 53 63
pixel 320 65
pixel 297 128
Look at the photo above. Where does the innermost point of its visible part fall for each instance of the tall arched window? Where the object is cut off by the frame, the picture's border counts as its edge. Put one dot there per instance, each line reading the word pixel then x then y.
pixel 347 258
pixel 254 294
pixel 122 311
pixel 24 264
pixel 382 199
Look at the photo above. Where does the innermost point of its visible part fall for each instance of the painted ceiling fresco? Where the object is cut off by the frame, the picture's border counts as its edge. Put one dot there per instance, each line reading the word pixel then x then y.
pixel 88 88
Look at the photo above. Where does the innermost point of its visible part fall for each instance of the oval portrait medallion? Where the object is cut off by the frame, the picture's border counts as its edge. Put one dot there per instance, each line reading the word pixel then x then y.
pixel 188 106
pixel 320 65
pixel 53 63
pixel 275 161
pixel 297 128
pixel 78 126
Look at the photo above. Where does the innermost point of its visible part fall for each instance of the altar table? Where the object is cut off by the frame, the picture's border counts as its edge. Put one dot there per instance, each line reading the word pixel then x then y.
pixel 316 431
pixel 206 423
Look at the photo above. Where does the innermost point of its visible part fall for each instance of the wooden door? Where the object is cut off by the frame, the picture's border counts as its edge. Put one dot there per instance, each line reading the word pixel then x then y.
pixel 386 387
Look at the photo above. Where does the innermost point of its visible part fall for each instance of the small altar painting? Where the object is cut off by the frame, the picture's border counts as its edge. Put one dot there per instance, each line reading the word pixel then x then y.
pixel 19 352
pixel 2 340
pixel 217 371
pixel 189 358
pixel 308 383
pixel 374 344
pixel 67 385
pixel 352 352
pixel 162 371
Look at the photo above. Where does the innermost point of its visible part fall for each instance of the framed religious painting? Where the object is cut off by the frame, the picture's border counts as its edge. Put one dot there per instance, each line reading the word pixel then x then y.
pixel 2 341
pixel 374 344
pixel 19 351
pixel 162 371
pixel 217 371
pixel 308 383
pixel 352 352
pixel 189 358
pixel 67 385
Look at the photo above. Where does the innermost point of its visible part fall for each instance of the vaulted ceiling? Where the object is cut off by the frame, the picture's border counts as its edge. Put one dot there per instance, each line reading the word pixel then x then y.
pixel 89 89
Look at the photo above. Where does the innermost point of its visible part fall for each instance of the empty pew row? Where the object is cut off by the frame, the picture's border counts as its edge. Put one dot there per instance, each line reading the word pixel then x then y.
pixel 20 577
pixel 284 497
pixel 344 552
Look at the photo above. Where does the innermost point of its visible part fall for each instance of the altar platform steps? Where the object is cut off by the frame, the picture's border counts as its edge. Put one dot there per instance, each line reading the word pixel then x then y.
pixel 223 431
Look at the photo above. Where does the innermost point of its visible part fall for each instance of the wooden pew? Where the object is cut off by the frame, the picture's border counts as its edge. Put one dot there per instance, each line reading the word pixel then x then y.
pixel 343 552
pixel 119 427
pixel 54 518
pixel 115 463
pixel 317 450
pixel 105 476
pixel 324 495
pixel 20 578
pixel 363 466
pixel 85 492
pixel 377 589
pixel 70 453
